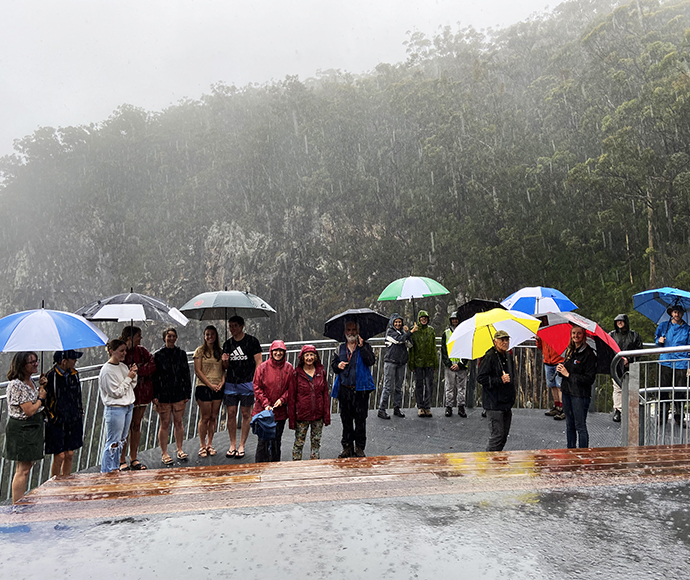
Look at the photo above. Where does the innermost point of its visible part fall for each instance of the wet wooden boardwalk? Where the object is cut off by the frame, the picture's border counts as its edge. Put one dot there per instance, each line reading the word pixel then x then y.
pixel 219 487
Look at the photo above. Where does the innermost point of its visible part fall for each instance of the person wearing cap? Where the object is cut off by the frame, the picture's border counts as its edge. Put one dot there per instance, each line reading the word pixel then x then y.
pixel 496 375
pixel 673 365
pixel 272 382
pixel 455 372
pixel 626 339
pixel 423 360
pixel 309 406
pixel 64 429
pixel 394 362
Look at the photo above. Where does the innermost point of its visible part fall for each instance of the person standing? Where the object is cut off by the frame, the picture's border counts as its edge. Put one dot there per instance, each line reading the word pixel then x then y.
pixel 210 381
pixel 673 365
pixel 241 357
pixel 553 379
pixel 626 339
pixel 455 372
pixel 353 383
pixel 309 406
pixel 65 412
pixel 143 391
pixel 172 388
pixel 496 375
pixel 24 431
pixel 273 380
pixel 579 371
pixel 394 361
pixel 423 360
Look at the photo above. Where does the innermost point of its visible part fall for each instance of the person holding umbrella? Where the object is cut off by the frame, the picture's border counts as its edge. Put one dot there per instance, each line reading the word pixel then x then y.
pixel 423 360
pixel 172 388
pixel 353 383
pixel 24 431
pixel 65 412
pixel 673 365
pixel 143 391
pixel 578 372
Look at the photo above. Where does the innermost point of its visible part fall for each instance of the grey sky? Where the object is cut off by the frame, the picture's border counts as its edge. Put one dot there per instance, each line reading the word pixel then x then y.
pixel 70 62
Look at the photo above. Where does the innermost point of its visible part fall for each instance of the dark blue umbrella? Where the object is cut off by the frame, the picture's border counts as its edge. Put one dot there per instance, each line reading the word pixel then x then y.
pixel 654 304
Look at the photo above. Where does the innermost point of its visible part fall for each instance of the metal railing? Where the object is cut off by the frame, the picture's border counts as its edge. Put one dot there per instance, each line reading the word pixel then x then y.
pixel 655 398
pixel 532 392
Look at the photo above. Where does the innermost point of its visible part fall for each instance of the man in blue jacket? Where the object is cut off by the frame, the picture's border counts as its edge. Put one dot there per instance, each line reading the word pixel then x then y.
pixel 352 385
pixel 673 365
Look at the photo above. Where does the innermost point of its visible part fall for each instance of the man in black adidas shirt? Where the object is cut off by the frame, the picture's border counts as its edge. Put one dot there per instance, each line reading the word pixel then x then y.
pixel 241 356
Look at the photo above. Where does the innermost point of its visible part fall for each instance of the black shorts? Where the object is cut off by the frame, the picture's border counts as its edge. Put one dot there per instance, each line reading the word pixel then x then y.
pixel 204 394
pixel 61 437
pixel 238 400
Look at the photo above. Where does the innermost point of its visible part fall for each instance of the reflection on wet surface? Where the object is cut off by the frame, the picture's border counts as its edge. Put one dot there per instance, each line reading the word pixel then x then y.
pixel 620 512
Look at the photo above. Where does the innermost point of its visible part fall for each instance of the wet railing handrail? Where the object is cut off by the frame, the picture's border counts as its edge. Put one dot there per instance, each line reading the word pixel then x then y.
pixel 641 352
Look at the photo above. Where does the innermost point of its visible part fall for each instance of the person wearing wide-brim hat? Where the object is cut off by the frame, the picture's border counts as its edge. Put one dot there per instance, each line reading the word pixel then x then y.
pixel 497 377
pixel 673 365
pixel 64 412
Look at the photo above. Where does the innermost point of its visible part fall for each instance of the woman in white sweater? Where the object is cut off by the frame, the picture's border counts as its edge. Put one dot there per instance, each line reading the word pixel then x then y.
pixel 116 384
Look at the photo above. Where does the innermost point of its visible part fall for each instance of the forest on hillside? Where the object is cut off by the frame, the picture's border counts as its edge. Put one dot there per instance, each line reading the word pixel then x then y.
pixel 553 152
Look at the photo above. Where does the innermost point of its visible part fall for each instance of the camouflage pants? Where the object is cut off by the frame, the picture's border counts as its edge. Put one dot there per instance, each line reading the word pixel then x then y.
pixel 301 437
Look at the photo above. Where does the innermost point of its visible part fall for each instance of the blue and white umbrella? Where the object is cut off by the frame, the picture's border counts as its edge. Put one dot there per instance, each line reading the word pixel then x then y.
pixel 45 330
pixel 539 300
pixel 654 304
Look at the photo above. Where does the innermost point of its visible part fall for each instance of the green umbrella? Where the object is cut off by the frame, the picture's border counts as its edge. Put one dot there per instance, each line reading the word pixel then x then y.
pixel 412 287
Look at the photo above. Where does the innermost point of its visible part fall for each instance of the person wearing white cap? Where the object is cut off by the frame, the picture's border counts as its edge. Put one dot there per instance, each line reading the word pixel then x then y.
pixel 496 375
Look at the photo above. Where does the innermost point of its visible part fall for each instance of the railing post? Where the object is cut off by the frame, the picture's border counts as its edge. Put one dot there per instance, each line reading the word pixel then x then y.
pixel 630 426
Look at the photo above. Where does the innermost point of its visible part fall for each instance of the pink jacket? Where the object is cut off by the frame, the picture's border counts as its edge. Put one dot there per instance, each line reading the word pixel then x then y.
pixel 272 381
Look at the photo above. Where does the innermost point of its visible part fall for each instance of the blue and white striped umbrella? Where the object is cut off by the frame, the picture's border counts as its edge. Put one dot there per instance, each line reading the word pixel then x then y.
pixel 45 330
pixel 539 300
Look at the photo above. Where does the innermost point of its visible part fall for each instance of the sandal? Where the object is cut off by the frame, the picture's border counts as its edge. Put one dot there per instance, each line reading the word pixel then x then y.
pixel 137 465
pixel 167 460
pixel 231 453
pixel 182 456
pixel 202 452
pixel 240 454
pixel 211 450
pixel 124 466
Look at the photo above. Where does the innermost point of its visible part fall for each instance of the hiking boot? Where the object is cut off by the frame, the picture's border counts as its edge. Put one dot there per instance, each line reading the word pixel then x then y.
pixel 427 413
pixel 560 416
pixel 421 413
pixel 449 411
pixel 383 414
pixel 461 411
pixel 398 413
pixel 553 412
pixel 347 452
pixel 359 452
pixel 617 416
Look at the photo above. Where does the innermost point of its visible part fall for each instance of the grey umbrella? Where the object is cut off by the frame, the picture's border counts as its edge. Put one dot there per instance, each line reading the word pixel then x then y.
pixel 225 303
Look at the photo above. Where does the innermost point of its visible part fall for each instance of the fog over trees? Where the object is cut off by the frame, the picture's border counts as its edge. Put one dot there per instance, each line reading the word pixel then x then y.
pixel 553 152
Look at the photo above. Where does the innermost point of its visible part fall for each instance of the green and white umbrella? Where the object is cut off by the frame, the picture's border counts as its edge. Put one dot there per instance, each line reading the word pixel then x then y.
pixel 412 287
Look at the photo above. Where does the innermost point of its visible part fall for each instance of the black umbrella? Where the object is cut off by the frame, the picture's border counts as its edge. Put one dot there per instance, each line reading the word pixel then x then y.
pixel 475 306
pixel 370 323
pixel 132 306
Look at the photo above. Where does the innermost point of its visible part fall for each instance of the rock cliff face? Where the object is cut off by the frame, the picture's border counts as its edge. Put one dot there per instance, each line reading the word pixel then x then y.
pixel 531 155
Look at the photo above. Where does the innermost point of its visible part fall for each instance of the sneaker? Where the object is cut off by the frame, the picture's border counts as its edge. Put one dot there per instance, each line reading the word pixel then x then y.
pixel 553 412
pixel 461 411
pixel 398 413
pixel 359 452
pixel 484 414
pixel 347 452
pixel 449 411
pixel 383 414
pixel 427 413
pixel 560 416
pixel 617 416
pixel 421 413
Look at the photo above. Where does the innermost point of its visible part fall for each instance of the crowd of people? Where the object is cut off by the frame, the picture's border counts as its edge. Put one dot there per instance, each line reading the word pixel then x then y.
pixel 48 417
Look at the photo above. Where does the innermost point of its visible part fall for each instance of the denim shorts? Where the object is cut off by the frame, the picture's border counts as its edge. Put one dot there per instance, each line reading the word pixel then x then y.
pixel 553 379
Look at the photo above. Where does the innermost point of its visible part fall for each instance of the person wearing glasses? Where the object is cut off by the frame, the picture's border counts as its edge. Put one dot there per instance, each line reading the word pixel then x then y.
pixel 24 435
pixel 497 376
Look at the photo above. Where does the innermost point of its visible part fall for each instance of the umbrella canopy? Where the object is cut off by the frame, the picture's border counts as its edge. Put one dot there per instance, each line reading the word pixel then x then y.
pixel 44 330
pixel 370 323
pixel 472 338
pixel 225 303
pixel 555 331
pixel 538 299
pixel 654 303
pixel 412 287
pixel 475 306
pixel 131 307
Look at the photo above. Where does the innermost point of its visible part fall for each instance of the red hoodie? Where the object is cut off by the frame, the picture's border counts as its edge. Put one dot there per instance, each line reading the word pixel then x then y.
pixel 272 381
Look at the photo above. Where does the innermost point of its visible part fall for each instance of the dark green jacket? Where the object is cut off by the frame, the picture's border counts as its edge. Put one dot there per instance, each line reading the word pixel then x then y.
pixel 423 352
